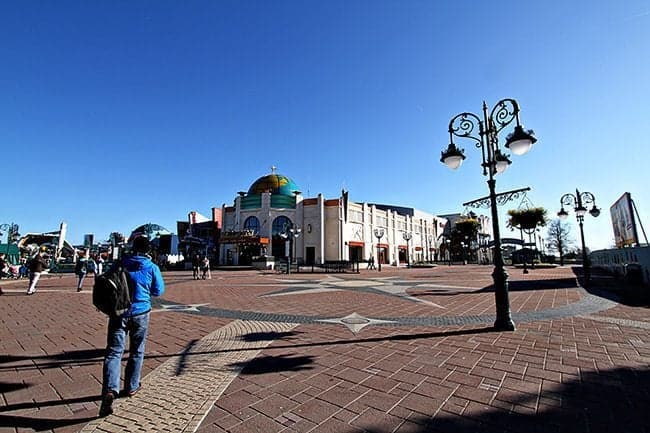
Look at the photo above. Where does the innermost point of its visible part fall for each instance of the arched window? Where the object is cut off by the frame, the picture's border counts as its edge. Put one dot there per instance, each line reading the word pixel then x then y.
pixel 277 241
pixel 279 224
pixel 252 223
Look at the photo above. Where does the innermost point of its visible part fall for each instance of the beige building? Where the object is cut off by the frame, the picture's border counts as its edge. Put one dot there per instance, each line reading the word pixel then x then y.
pixel 273 210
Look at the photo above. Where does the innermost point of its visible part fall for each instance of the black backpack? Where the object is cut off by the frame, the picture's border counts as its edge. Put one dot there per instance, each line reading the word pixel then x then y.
pixel 112 291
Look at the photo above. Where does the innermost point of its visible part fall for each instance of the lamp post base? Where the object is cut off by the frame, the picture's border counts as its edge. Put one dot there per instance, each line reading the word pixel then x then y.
pixel 505 324
pixel 504 317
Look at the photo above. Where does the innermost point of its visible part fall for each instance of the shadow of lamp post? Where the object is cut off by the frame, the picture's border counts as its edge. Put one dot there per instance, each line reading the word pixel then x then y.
pixel 379 233
pixel 519 142
pixel 578 201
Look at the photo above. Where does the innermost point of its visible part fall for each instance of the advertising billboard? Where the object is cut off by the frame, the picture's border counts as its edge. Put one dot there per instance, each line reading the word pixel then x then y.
pixel 625 233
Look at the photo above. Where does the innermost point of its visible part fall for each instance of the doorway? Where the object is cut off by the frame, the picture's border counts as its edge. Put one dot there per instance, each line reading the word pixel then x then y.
pixel 310 256
pixel 355 254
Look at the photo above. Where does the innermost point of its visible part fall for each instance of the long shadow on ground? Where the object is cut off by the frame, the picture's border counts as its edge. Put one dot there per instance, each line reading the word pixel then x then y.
pixel 609 401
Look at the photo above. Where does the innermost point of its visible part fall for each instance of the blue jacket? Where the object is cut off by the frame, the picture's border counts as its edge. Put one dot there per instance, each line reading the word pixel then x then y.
pixel 148 282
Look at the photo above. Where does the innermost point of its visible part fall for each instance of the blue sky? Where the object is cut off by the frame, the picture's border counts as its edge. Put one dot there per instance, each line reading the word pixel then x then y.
pixel 118 113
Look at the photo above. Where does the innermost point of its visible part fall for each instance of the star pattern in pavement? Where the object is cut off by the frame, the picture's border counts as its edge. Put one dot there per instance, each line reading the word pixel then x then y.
pixel 179 307
pixel 355 322
pixel 384 286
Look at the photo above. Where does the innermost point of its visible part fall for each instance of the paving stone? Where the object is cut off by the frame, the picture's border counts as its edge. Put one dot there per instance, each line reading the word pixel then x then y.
pixel 570 349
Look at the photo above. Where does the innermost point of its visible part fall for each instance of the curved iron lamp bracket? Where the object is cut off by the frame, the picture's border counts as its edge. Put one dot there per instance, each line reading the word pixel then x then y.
pixel 464 125
pixel 503 113
pixel 502 198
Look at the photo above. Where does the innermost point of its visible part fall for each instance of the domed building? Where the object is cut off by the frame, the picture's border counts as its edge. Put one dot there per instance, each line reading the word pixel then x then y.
pixel 149 230
pixel 273 212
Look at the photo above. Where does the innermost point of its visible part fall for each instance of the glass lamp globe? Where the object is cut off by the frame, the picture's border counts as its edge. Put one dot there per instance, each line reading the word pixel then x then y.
pixel 453 161
pixel 501 166
pixel 520 141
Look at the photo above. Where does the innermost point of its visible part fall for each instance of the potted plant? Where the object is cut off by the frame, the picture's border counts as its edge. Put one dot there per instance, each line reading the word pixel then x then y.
pixel 527 219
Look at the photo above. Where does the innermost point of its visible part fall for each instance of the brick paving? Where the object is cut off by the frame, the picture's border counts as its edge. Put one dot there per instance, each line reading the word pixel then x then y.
pixel 262 352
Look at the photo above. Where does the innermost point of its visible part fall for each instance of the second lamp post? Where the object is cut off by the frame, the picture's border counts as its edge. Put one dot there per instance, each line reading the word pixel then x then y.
pixel 464 125
pixel 379 233
pixel 291 231
pixel 578 201
pixel 407 237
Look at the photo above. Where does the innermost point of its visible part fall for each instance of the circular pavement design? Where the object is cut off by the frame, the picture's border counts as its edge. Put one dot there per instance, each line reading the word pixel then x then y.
pixel 392 287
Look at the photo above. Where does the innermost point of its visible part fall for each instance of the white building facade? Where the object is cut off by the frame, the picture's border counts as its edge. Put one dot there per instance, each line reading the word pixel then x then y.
pixel 330 229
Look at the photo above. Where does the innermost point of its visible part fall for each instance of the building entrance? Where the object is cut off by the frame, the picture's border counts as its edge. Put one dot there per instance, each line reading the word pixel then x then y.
pixel 355 254
pixel 310 255
pixel 247 252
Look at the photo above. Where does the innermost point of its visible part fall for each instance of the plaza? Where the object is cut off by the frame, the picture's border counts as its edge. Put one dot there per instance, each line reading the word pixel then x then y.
pixel 404 350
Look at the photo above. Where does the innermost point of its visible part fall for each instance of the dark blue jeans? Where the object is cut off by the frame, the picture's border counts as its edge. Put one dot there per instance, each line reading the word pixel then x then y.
pixel 82 277
pixel 136 327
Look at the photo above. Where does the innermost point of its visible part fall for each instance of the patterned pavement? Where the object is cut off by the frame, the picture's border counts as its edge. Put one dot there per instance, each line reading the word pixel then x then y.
pixel 404 350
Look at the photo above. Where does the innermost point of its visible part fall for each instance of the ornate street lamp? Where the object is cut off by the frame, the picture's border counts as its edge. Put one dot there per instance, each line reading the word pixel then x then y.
pixel 291 231
pixel 407 237
pixel 519 142
pixel 578 201
pixel 379 233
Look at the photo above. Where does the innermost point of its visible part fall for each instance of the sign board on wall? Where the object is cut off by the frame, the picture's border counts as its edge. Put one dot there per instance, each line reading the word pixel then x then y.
pixel 623 222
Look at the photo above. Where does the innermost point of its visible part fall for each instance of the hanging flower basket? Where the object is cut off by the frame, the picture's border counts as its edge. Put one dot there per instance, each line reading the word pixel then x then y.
pixel 527 218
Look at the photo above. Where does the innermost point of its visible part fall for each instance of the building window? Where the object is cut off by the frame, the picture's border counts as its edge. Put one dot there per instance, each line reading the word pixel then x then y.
pixel 280 224
pixel 382 221
pixel 356 216
pixel 253 224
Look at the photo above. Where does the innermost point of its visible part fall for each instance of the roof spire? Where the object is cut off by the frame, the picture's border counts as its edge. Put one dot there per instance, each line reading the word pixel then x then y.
pixel 273 167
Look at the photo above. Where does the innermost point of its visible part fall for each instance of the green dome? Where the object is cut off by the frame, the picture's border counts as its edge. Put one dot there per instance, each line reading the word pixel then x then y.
pixel 276 184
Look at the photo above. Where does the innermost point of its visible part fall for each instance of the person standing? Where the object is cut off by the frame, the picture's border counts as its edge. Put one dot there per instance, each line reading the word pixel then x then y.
pixel 196 263
pixel 80 269
pixel 91 266
pixel 205 268
pixel 100 265
pixel 36 266
pixel 147 281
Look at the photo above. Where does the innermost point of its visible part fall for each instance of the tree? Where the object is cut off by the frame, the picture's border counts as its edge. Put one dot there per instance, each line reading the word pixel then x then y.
pixel 465 231
pixel 559 238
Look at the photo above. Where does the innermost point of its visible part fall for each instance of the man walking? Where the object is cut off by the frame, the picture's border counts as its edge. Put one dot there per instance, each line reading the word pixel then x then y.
pixel 36 266
pixel 146 281
pixel 371 262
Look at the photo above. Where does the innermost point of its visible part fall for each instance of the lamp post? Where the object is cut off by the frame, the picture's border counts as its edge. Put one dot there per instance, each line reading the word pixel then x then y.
pixel 462 252
pixel 448 243
pixel 519 142
pixel 291 231
pixel 578 201
pixel 379 233
pixel 407 237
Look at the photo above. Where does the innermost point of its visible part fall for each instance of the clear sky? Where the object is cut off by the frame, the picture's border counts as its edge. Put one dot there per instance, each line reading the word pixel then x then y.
pixel 118 113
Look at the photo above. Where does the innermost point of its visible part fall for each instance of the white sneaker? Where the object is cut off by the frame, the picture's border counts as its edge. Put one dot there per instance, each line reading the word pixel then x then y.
pixel 31 292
